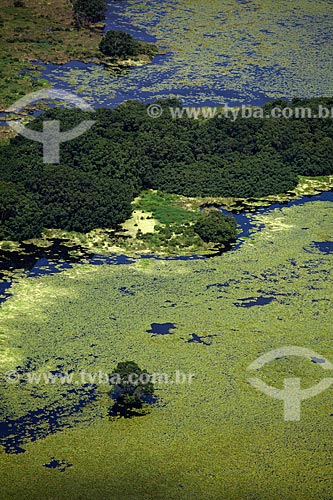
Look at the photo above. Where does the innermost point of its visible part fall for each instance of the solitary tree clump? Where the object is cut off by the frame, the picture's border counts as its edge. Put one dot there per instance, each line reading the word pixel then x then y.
pixel 119 44
pixel 89 11
pixel 132 389
pixel 213 226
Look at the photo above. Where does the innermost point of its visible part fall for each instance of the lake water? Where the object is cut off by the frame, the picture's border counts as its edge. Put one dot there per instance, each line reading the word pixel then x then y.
pixel 209 57
pixel 209 72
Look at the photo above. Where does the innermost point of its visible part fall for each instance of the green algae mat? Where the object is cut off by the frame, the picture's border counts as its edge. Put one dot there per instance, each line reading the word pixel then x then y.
pixel 215 438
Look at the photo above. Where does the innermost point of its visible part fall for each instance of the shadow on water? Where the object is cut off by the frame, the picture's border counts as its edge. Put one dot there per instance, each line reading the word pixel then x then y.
pixel 254 301
pixel 136 409
pixel 200 339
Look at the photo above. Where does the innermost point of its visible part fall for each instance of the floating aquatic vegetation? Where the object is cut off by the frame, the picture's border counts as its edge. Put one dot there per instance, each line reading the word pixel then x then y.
pixel 239 53
pixel 79 320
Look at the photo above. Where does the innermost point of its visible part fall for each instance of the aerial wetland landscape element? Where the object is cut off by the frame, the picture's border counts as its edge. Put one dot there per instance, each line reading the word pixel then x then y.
pixel 238 53
pixel 68 308
pixel 202 434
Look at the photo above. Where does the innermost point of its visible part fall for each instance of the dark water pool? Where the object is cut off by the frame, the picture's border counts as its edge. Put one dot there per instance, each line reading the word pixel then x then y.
pixel 325 247
pixel 246 219
pixel 37 424
pixel 161 328
pixel 254 301
pixel 60 465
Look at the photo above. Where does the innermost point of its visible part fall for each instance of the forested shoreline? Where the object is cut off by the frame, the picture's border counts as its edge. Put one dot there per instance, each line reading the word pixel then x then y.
pixel 58 32
pixel 126 151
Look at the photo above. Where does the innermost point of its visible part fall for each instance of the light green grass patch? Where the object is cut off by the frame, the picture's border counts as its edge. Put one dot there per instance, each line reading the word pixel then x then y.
pixel 139 220
pixel 167 208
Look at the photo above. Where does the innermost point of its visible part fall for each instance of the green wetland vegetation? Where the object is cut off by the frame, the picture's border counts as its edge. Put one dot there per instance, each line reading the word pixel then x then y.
pixel 127 152
pixel 271 47
pixel 58 31
pixel 36 30
pixel 216 437
pixel 122 258
pixel 235 52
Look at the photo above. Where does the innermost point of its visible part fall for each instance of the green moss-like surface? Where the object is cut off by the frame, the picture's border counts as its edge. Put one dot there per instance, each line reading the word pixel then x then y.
pixel 216 438
pixel 234 43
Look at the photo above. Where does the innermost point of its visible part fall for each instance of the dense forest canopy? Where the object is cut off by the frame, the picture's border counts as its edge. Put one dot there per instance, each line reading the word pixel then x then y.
pixel 126 151
pixel 117 43
pixel 89 11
